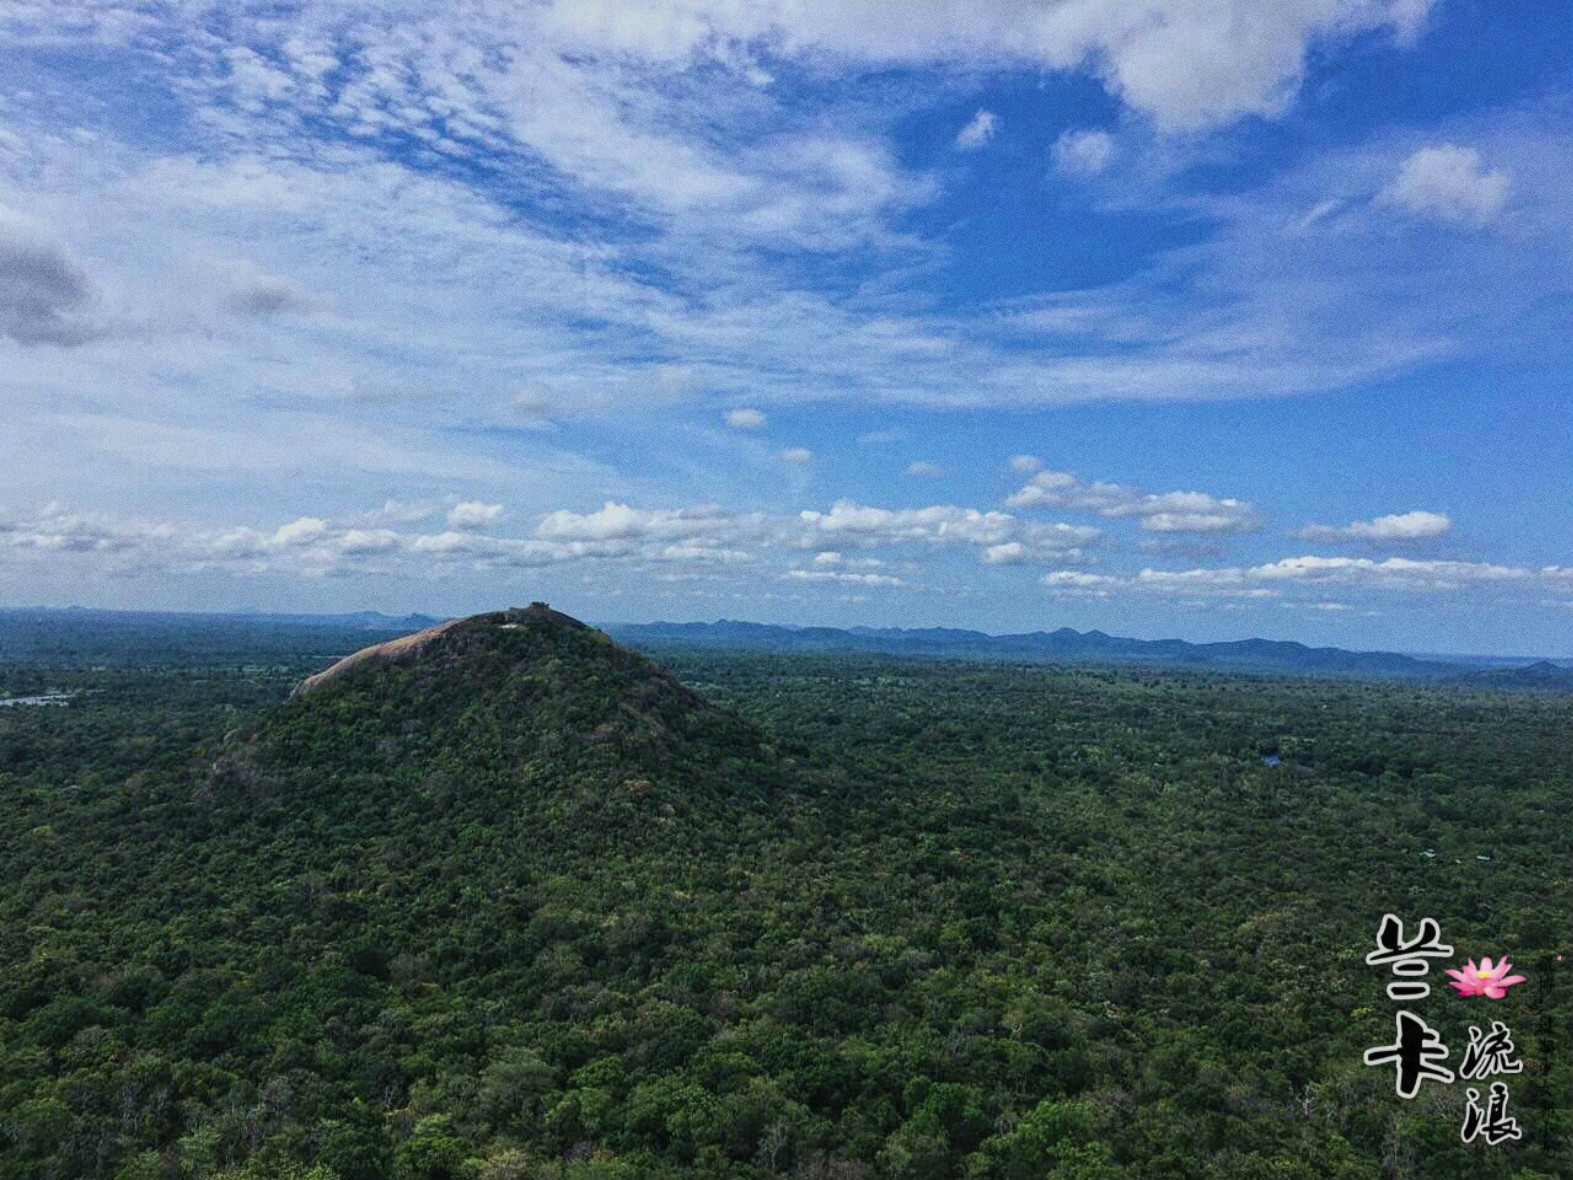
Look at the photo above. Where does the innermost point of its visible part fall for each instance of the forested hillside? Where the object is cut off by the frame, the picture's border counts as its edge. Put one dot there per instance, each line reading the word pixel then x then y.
pixel 535 910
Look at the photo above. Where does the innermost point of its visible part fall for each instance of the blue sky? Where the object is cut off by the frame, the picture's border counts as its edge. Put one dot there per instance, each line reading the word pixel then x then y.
pixel 1167 318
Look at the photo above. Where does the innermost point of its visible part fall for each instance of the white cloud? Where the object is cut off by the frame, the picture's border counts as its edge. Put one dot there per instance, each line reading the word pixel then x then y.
pixel 939 525
pixel 1190 512
pixel 922 467
pixel 1026 464
pixel 1391 573
pixel 1063 541
pixel 830 558
pixel 56 529
pixel 619 522
pixel 1007 553
pixel 1169 512
pixel 979 130
pixel 1083 153
pixel 704 554
pixel 1071 578
pixel 1271 579
pixel 1401 526
pixel 1072 584
pixel 734 547
pixel 844 578
pixel 1449 183
pixel 301 531
pixel 801 456
pixel 1001 538
pixel 1188 65
pixel 745 419
pixel 1301 575
pixel 358 542
pixel 472 514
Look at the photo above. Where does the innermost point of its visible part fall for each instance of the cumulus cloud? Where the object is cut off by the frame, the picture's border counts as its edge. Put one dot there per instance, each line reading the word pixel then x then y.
pixel 922 467
pixel 1026 464
pixel 721 543
pixel 620 522
pixel 703 554
pixel 801 456
pixel 301 531
pixel 843 577
pixel 1272 579
pixel 861 525
pixel 1449 183
pixel 1168 512
pixel 979 130
pixel 1050 546
pixel 1083 153
pixel 1185 64
pixel 745 419
pixel 1072 582
pixel 472 514
pixel 1064 541
pixel 46 296
pixel 1190 512
pixel 1390 573
pixel 1008 553
pixel 54 528
pixel 831 558
pixel 1400 526
pixel 359 542
pixel 618 529
pixel 1001 538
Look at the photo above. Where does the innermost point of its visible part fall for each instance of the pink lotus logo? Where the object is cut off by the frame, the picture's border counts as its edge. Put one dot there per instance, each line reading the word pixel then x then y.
pixel 1484 980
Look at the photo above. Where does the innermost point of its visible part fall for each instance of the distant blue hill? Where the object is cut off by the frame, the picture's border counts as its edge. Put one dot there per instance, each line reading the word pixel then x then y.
pixel 91 633
pixel 368 619
pixel 76 636
pixel 1063 645
pixel 1542 675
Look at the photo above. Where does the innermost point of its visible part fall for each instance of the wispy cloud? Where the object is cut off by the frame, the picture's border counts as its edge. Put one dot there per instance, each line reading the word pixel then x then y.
pixel 1450 183
pixel 981 128
pixel 1083 153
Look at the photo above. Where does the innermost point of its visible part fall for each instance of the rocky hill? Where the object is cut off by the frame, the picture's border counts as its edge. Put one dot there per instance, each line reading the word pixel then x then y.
pixel 525 707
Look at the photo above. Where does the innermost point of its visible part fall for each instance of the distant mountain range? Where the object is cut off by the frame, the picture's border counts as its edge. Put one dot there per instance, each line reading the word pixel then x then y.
pixel 1093 647
pixel 1061 646
pixel 369 619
